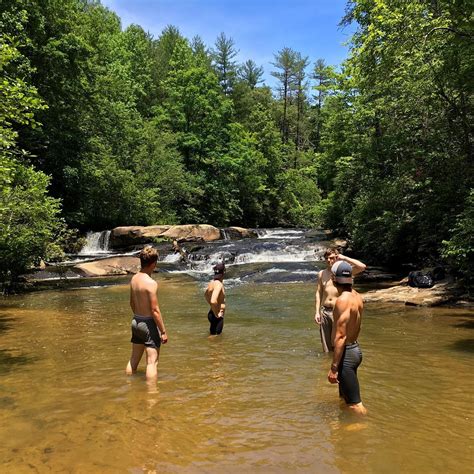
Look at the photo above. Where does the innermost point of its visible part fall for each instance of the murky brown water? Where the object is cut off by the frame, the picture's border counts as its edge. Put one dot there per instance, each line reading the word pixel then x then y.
pixel 253 400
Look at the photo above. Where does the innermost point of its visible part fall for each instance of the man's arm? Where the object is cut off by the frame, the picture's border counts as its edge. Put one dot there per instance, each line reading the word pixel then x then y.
pixel 132 302
pixel 357 265
pixel 319 290
pixel 215 306
pixel 342 312
pixel 156 313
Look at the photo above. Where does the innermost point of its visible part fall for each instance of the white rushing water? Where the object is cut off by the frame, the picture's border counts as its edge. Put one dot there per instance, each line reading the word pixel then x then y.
pixel 97 243
pixel 285 234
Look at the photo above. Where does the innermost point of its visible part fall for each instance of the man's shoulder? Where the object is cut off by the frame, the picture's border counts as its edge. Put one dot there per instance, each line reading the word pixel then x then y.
pixel 344 300
pixel 144 281
pixel 324 274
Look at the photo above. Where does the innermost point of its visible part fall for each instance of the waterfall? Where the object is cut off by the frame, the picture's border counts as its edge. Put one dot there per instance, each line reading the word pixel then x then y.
pixel 225 235
pixel 96 243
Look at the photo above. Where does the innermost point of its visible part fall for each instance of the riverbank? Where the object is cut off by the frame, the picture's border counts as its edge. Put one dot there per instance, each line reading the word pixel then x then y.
pixel 266 256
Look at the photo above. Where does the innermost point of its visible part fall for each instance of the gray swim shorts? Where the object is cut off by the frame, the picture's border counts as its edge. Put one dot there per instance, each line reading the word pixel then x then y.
pixel 144 331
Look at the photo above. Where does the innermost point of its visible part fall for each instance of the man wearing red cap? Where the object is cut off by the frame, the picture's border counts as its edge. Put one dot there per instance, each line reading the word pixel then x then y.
pixel 215 296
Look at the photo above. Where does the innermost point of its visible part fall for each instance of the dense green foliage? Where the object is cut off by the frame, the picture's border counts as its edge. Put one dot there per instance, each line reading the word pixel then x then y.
pixel 28 216
pixel 122 128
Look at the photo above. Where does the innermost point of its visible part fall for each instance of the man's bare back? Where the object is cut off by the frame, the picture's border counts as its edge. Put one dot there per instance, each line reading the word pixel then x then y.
pixel 215 297
pixel 142 289
pixel 350 306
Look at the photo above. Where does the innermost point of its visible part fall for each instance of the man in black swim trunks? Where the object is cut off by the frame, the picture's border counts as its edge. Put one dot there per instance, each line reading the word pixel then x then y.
pixel 347 354
pixel 148 328
pixel 215 296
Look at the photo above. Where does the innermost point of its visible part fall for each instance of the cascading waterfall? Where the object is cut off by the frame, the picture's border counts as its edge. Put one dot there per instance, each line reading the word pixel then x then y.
pixel 275 255
pixel 97 243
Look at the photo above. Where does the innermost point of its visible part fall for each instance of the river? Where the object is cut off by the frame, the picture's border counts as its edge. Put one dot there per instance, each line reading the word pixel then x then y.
pixel 254 399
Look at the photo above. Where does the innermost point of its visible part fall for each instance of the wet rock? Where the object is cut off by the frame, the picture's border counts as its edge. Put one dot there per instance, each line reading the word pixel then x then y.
pixel 193 233
pixel 440 293
pixel 135 235
pixel 234 233
pixel 379 274
pixel 109 267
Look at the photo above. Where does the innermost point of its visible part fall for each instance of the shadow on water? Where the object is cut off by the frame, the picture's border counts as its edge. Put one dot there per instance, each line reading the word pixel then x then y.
pixel 464 345
pixel 6 323
pixel 466 324
pixel 8 362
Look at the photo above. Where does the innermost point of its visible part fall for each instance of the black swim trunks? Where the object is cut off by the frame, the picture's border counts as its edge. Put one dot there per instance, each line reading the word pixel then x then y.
pixel 144 331
pixel 347 374
pixel 217 324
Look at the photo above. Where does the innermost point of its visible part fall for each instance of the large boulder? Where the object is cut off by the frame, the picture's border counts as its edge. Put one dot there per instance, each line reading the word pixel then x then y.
pixel 192 233
pixel 109 266
pixel 135 235
pixel 235 232
pixel 139 235
pixel 440 293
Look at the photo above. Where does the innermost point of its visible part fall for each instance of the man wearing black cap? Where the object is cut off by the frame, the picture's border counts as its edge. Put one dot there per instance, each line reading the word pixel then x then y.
pixel 215 296
pixel 326 295
pixel 347 354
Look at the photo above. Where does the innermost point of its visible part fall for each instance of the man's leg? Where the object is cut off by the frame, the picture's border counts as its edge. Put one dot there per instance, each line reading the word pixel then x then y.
pixel 137 352
pixel 152 356
pixel 326 329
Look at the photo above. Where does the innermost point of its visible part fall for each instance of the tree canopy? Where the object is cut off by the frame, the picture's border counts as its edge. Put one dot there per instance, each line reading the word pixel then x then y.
pixel 103 126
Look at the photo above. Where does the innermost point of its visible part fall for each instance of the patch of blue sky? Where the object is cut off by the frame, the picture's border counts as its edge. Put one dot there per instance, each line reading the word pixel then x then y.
pixel 259 28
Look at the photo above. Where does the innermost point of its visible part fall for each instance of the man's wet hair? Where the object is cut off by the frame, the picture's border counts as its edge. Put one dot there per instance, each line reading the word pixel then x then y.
pixel 330 251
pixel 219 269
pixel 148 255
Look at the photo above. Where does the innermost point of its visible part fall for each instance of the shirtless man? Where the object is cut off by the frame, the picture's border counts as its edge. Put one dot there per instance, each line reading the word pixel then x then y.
pixel 347 354
pixel 326 295
pixel 148 328
pixel 215 296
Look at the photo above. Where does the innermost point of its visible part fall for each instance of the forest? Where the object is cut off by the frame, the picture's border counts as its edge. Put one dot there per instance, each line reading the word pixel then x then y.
pixel 102 126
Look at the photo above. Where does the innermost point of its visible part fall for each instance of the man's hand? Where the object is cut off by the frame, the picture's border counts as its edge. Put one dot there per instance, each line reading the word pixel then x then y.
pixel 332 376
pixel 317 318
pixel 220 314
pixel 164 338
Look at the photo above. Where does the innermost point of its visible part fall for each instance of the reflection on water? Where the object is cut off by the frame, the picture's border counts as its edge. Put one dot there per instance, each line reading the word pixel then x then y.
pixel 252 400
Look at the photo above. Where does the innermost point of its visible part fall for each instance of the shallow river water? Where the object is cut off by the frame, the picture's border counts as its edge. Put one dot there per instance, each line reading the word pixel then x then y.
pixel 255 399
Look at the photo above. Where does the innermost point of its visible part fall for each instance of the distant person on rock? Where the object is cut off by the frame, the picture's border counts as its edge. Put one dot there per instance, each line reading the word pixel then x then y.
pixel 182 251
pixel 215 297
pixel 347 355
pixel 326 295
pixel 148 328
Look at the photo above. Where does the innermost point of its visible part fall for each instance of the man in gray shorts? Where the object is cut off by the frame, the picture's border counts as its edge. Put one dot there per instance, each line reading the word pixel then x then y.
pixel 326 295
pixel 148 328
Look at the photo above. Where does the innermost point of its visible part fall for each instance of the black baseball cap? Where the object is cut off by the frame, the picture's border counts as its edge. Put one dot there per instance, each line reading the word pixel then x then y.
pixel 219 269
pixel 342 272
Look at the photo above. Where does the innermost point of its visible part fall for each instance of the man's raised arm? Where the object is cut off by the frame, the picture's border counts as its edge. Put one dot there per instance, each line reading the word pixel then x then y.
pixel 357 265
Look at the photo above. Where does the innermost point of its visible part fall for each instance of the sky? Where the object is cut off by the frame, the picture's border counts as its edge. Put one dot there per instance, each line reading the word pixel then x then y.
pixel 259 28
